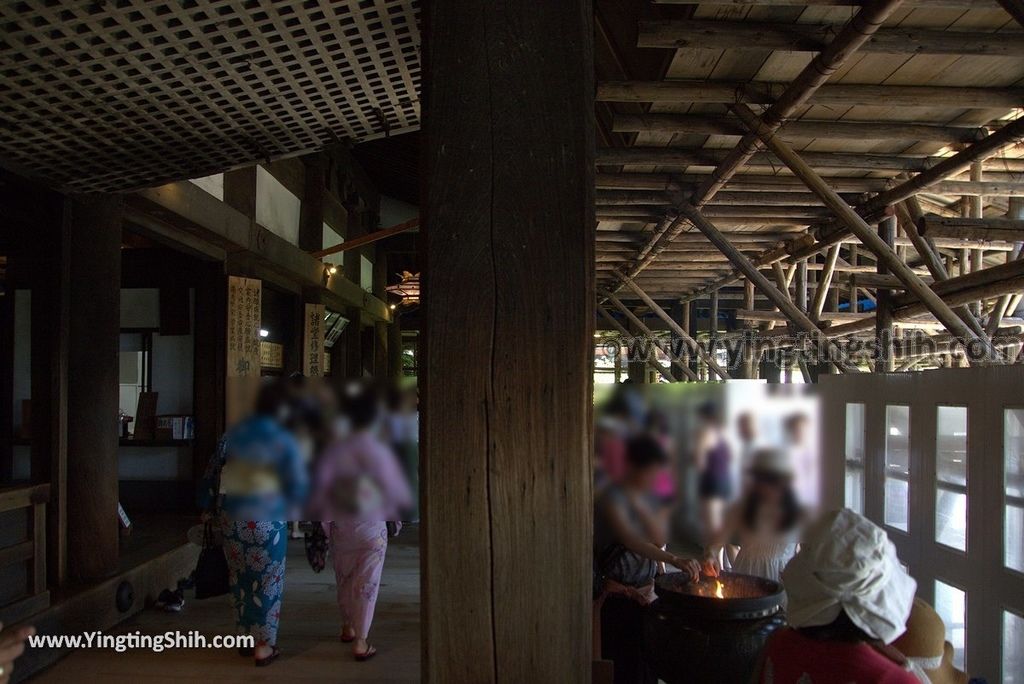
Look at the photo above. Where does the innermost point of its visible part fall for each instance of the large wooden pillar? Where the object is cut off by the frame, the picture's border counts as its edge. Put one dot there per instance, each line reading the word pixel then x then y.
pixel 508 247
pixel 95 325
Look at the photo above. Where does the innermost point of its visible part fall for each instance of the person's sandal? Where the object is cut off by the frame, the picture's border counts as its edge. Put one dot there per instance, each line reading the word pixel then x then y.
pixel 347 639
pixel 274 653
pixel 365 655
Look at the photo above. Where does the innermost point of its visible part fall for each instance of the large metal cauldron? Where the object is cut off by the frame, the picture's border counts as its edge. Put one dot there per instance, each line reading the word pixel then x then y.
pixel 691 635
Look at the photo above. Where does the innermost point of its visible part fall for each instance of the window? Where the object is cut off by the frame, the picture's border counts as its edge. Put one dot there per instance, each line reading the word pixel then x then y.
pixel 951 605
pixel 855 457
pixel 897 467
pixel 1013 481
pixel 1013 648
pixel 951 476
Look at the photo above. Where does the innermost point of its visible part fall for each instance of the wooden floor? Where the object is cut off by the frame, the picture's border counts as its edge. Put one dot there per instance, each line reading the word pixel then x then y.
pixel 308 636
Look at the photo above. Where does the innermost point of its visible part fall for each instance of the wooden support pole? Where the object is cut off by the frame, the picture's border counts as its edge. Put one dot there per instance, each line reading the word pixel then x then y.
pixel 801 284
pixel 825 282
pixel 702 124
pixel 506 436
pixel 837 95
pixel 1002 307
pixel 712 322
pixel 795 315
pixel 867 236
pixel 752 35
pixel 660 313
pixel 885 355
pixel 1003 228
pixel 94 339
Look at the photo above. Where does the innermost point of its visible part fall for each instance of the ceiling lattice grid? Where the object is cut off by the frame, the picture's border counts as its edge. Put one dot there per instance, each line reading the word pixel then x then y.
pixel 120 94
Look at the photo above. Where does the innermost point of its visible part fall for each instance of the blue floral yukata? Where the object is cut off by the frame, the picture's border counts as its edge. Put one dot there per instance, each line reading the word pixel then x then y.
pixel 254 525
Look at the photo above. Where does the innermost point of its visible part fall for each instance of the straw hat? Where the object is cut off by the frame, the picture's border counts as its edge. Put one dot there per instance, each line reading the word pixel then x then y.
pixel 924 645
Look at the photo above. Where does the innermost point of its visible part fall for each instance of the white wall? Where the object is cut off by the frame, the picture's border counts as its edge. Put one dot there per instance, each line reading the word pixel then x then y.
pixel 277 209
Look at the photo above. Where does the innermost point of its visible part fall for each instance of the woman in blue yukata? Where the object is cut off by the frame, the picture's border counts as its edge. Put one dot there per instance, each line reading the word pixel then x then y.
pixel 258 477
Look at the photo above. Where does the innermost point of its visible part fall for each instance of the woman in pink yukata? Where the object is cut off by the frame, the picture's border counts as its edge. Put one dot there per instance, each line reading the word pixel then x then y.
pixel 360 486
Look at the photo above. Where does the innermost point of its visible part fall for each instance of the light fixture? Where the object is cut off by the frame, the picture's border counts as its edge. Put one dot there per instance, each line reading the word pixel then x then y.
pixel 264 333
pixel 332 269
pixel 393 307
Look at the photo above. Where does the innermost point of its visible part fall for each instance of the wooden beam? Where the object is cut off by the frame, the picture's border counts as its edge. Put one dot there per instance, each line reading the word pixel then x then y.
pixel 683 157
pixel 364 240
pixel 885 354
pixel 1008 229
pixel 744 182
pixel 1014 212
pixel 800 37
pixel 866 234
pixel 779 317
pixel 804 129
pixel 759 92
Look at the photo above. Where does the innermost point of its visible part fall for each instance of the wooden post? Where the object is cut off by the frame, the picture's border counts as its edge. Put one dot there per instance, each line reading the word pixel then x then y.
pixel 508 220
pixel 885 359
pixel 311 209
pixel 209 363
pixel 94 338
pixel 976 204
pixel 713 323
pixel 1015 211
pixel 50 282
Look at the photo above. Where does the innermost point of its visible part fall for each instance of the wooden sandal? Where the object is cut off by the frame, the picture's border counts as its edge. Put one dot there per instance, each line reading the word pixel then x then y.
pixel 274 653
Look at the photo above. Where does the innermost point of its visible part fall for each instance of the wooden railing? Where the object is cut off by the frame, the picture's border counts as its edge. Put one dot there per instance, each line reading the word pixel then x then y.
pixel 33 550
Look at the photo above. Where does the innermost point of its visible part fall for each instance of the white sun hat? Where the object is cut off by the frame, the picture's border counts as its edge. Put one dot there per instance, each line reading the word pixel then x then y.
pixel 848 563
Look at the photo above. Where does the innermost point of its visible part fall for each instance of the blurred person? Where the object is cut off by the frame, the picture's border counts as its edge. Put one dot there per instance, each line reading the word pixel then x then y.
pixel 665 484
pixel 804 457
pixel 359 488
pixel 746 430
pixel 402 432
pixel 12 645
pixel 615 425
pixel 764 521
pixel 629 533
pixel 713 459
pixel 849 599
pixel 252 487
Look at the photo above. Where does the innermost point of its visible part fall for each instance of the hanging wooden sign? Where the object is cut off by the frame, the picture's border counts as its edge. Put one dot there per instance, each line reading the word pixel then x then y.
pixel 271 355
pixel 313 341
pixel 243 354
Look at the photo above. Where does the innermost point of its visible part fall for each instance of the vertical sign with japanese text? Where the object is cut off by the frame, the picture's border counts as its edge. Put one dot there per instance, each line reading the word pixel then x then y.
pixel 313 341
pixel 243 353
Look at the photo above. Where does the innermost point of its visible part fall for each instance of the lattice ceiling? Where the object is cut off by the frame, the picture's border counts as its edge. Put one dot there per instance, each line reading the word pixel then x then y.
pixel 112 95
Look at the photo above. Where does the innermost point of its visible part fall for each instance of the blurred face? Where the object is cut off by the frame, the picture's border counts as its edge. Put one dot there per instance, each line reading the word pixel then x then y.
pixel 798 430
pixel 745 426
pixel 646 476
pixel 768 487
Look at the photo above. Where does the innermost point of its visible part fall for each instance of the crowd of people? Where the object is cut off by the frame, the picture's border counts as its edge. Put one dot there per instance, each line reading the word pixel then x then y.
pixel 308 454
pixel 849 605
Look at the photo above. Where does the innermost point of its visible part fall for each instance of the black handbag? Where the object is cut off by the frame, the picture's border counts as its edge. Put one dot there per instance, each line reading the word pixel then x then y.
pixel 211 574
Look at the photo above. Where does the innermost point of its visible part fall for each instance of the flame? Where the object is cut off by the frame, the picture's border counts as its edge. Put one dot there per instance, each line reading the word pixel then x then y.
pixel 718 589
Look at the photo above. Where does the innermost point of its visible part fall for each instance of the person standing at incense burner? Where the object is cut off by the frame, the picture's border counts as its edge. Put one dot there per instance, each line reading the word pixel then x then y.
pixel 765 520
pixel 630 531
pixel 713 459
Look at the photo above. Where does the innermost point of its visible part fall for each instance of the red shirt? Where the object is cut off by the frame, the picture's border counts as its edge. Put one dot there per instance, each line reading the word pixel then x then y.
pixel 792 658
